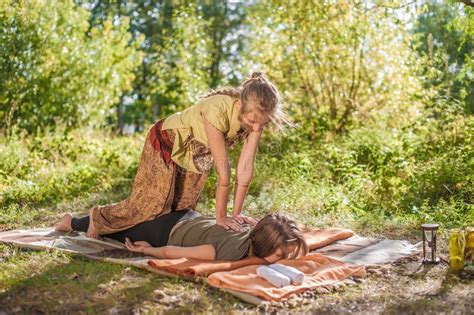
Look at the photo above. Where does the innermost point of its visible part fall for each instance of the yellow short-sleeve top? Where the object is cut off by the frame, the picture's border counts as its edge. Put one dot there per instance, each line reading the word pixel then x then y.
pixel 220 110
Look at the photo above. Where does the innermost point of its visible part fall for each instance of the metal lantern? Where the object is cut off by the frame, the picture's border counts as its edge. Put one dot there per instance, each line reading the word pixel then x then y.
pixel 429 243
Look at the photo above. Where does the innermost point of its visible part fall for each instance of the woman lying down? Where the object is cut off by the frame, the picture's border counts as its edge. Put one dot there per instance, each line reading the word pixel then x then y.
pixel 188 234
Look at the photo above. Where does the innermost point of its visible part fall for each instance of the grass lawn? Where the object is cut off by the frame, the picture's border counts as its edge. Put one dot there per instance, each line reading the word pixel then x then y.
pixel 51 282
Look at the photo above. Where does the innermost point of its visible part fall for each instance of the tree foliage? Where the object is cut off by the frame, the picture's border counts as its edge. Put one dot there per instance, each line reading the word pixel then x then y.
pixel 338 62
pixel 446 37
pixel 54 69
pixel 188 48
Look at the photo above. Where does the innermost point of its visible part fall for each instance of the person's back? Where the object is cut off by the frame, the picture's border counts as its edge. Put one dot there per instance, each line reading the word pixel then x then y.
pixel 228 244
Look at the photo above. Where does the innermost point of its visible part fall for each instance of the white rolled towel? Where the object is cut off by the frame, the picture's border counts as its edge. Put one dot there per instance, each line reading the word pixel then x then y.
pixel 296 276
pixel 274 277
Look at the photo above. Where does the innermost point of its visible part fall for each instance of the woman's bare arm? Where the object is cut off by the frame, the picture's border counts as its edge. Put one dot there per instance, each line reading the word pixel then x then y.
pixel 245 168
pixel 215 138
pixel 204 252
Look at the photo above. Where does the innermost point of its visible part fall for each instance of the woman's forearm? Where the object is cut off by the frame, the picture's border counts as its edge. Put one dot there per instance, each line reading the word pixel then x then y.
pixel 240 191
pixel 223 187
pixel 242 183
pixel 205 252
pixel 244 172
pixel 222 197
pixel 154 251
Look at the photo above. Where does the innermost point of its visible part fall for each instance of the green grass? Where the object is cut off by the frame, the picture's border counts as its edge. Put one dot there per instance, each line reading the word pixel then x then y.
pixel 52 282
pixel 376 181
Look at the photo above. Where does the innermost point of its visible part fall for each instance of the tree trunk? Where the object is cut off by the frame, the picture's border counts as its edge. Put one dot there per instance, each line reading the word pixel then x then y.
pixel 156 108
pixel 120 118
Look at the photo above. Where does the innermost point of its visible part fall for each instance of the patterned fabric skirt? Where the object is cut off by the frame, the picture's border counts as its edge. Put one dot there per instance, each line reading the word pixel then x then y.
pixel 160 186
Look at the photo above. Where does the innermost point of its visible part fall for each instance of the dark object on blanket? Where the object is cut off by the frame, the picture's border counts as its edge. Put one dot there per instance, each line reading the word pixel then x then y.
pixel 429 240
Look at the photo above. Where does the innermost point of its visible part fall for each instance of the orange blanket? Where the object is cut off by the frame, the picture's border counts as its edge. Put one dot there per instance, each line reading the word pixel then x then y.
pixel 198 268
pixel 318 269
pixel 315 238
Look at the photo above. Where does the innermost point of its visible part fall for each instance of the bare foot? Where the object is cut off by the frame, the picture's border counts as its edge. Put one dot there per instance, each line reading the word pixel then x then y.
pixel 65 224
pixel 91 232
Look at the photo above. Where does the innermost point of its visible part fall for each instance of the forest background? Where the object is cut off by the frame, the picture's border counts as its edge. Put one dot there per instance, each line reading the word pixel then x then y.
pixel 381 95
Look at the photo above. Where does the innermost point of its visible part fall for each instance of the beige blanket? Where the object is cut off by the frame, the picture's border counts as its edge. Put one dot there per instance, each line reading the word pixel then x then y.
pixel 355 249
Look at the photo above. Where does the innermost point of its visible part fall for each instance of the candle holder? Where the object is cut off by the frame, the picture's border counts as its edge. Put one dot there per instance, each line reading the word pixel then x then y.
pixel 429 244
pixel 457 244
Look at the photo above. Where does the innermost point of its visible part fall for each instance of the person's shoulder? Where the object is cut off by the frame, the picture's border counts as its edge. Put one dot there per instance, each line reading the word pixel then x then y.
pixel 219 100
pixel 229 100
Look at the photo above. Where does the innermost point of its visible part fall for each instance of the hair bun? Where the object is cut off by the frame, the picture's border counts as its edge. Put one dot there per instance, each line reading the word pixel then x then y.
pixel 257 75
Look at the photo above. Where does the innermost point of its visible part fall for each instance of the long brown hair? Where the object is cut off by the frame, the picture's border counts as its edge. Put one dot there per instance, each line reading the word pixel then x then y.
pixel 264 92
pixel 277 231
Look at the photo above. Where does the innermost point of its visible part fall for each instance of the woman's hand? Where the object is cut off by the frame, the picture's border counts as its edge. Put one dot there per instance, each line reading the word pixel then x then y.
pixel 241 219
pixel 228 223
pixel 137 247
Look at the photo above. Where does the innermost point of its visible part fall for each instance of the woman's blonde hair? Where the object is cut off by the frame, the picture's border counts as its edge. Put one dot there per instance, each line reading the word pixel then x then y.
pixel 277 231
pixel 264 92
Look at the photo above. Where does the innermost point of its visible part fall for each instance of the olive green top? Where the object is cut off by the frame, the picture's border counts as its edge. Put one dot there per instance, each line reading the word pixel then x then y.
pixel 229 245
pixel 220 110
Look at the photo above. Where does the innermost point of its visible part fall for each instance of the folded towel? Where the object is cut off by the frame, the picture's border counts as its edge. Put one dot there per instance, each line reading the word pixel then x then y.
pixel 277 279
pixel 294 274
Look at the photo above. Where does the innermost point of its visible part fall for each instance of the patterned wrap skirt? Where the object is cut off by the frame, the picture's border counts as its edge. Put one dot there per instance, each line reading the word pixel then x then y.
pixel 160 186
